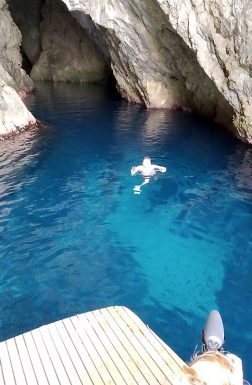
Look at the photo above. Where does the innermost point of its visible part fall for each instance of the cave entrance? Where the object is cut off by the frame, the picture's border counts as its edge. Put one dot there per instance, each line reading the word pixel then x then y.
pixel 56 47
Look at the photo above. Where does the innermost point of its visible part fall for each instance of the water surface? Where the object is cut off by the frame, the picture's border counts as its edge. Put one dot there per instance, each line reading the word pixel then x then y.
pixel 74 237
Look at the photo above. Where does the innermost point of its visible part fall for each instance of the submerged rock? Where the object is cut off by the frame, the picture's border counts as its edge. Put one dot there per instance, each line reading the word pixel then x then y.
pixel 170 54
pixel 68 54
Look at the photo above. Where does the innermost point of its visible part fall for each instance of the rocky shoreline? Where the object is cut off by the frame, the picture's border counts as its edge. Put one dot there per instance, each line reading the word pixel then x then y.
pixel 195 55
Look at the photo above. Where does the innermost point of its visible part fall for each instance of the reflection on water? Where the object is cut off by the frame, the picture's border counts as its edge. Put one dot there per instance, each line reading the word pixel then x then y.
pixel 157 125
pixel 74 237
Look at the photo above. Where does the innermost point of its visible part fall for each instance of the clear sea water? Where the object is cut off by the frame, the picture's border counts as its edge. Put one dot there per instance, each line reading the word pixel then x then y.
pixel 74 237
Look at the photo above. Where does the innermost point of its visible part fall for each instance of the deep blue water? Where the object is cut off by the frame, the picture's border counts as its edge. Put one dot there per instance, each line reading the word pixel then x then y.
pixel 74 237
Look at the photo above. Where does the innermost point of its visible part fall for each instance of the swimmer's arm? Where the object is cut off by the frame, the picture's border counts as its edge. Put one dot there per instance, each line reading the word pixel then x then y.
pixel 159 168
pixel 136 169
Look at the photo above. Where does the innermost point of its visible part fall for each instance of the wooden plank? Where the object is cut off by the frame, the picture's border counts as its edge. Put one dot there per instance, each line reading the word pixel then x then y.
pixel 119 347
pixel 96 347
pixel 130 348
pixel 181 364
pixel 45 358
pixel 15 362
pixel 53 353
pixel 35 359
pixel 64 355
pixel 104 372
pixel 80 347
pixel 25 359
pixel 2 382
pixel 111 346
pixel 130 354
pixel 112 352
pixel 76 360
pixel 168 355
pixel 141 333
pixel 6 365
pixel 144 349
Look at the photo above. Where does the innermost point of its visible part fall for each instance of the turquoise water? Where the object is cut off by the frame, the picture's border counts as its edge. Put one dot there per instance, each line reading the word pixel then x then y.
pixel 74 237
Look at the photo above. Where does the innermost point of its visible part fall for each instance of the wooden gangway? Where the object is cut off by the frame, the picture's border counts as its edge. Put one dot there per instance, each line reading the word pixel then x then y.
pixel 111 346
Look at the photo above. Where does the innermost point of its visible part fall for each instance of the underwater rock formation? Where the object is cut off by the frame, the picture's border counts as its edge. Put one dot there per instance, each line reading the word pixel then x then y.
pixel 68 54
pixel 14 82
pixel 193 54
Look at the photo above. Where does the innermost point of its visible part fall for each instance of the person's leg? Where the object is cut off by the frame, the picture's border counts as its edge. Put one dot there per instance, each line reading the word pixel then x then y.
pixel 137 188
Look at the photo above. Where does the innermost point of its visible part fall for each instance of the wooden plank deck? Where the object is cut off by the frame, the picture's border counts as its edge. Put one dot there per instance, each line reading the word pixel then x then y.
pixel 111 346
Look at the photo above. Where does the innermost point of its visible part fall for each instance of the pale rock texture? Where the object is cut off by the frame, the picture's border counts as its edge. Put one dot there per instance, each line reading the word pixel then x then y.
pixel 14 116
pixel 193 54
pixel 68 54
pixel 220 34
pixel 10 56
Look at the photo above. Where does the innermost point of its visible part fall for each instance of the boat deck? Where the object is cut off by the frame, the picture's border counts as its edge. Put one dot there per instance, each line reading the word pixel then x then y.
pixel 111 346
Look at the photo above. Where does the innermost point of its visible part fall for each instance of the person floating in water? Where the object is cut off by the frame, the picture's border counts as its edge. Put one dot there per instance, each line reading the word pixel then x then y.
pixel 147 169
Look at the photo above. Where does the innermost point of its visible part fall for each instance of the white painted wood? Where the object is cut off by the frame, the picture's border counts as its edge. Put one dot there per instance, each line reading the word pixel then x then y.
pixel 166 353
pixel 45 358
pixel 6 365
pixel 64 355
pixel 119 346
pixel 15 362
pixel 82 351
pixel 35 360
pixel 153 338
pixel 73 353
pixel 94 351
pixel 25 360
pixel 100 347
pixel 53 353
pixel 111 346
pixel 179 362
pixel 134 334
pixel 129 347
pixel 2 382
pixel 140 331
pixel 112 352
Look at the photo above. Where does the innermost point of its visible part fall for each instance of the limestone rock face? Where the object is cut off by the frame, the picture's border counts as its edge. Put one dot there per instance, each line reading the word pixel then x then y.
pixel 26 15
pixel 220 34
pixel 68 54
pixel 170 53
pixel 10 57
pixel 14 115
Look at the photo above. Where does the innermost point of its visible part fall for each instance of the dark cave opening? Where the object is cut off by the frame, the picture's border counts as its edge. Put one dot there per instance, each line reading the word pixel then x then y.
pixel 29 18
pixel 26 64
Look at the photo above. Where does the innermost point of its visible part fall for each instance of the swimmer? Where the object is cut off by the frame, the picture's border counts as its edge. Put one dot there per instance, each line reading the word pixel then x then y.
pixel 147 169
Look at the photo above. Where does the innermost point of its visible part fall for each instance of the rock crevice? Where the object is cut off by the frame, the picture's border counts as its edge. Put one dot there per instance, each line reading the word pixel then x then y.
pixel 14 82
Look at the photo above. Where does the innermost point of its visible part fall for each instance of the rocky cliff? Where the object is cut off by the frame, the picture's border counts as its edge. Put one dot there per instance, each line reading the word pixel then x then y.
pixel 68 54
pixel 220 34
pixel 14 82
pixel 193 54
pixel 189 54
